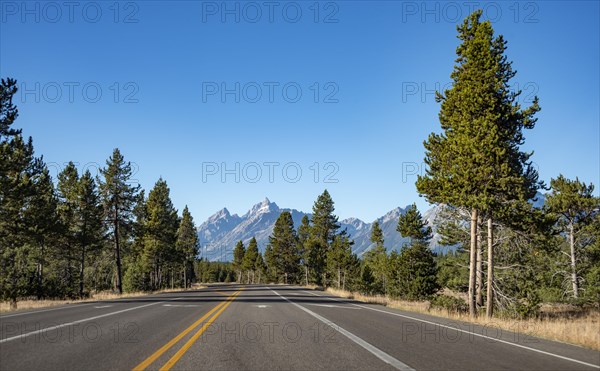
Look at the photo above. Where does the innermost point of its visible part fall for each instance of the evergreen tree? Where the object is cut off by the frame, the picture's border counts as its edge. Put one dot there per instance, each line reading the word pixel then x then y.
pixel 249 260
pixel 411 225
pixel 161 235
pixel 476 162
pixel 322 233
pixel 367 281
pixel 376 259
pixel 68 191
pixel 303 235
pixel 43 225
pixel 259 267
pixel 18 168
pixel 575 207
pixel 340 259
pixel 118 199
pixel 238 257
pixel 284 243
pixel 136 277
pixel 416 278
pixel 188 245
pixel 89 231
pixel 271 263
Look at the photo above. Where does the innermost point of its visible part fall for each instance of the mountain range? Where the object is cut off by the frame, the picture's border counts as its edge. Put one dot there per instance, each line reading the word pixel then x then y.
pixel 220 232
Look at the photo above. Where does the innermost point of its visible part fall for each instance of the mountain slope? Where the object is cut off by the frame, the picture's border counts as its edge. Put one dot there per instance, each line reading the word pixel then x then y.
pixel 219 233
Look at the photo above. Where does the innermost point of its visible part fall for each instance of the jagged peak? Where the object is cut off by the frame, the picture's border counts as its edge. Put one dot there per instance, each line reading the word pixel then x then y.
pixel 263 207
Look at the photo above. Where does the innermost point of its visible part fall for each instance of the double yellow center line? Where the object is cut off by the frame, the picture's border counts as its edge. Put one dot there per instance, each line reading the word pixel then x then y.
pixel 171 362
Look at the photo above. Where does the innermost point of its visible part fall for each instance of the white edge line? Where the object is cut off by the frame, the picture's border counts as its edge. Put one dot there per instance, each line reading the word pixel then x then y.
pixel 466 332
pixel 76 322
pixel 373 350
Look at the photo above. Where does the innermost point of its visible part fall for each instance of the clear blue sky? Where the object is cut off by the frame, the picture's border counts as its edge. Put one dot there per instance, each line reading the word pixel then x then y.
pixel 373 63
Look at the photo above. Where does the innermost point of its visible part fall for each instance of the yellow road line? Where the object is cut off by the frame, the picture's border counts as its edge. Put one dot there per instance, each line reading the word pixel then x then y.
pixel 193 339
pixel 148 361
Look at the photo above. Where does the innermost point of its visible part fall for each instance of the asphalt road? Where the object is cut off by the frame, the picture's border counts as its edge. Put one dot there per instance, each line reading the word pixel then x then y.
pixel 230 327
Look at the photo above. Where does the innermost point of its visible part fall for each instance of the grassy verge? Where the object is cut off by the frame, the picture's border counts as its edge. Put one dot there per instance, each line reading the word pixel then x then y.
pixel 579 329
pixel 102 295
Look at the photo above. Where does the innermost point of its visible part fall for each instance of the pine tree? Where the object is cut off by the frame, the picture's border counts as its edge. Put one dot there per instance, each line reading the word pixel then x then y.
pixel 136 277
pixel 118 199
pixel 322 233
pixel 411 225
pixel 18 169
pixel 416 278
pixel 476 162
pixel 340 259
pixel 68 191
pixel 250 259
pixel 260 267
pixel 303 235
pixel 89 231
pixel 238 257
pixel 416 271
pixel 188 245
pixel 575 207
pixel 376 259
pixel 43 225
pixel 284 243
pixel 161 235
pixel 367 281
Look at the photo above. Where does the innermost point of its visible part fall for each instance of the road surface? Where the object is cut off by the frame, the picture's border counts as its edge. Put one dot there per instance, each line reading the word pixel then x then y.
pixel 231 327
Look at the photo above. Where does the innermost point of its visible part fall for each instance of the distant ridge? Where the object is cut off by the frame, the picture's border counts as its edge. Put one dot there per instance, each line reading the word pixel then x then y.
pixel 220 232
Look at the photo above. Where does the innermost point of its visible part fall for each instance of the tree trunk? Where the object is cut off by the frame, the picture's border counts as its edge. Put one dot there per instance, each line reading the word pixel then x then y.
pixel 118 251
pixel 81 269
pixel 306 274
pixel 40 282
pixel 574 280
pixel 339 278
pixel 185 285
pixel 472 264
pixel 489 305
pixel 479 277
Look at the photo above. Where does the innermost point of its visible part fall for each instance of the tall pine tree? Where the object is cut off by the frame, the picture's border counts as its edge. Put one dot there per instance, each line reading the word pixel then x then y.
pixel 476 162
pixel 376 260
pixel 249 260
pixel 188 245
pixel 118 199
pixel 89 231
pixel 323 230
pixel 575 207
pixel 160 236
pixel 284 243
pixel 238 258
pixel 18 169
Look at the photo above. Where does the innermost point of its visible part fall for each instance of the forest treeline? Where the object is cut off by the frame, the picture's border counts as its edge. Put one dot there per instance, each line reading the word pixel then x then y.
pixel 67 237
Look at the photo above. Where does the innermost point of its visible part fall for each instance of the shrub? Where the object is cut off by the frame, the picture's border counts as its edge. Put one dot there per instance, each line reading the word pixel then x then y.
pixel 449 303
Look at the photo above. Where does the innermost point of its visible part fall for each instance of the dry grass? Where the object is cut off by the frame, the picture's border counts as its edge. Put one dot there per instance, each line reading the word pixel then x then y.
pixel 582 329
pixel 102 295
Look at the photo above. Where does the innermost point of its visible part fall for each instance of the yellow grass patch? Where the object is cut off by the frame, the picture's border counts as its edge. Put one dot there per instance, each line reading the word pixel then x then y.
pixel 102 295
pixel 579 330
